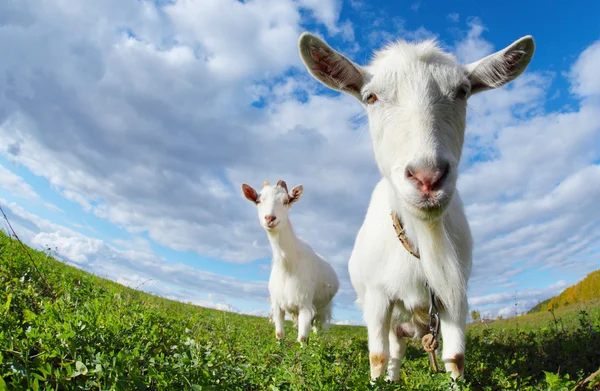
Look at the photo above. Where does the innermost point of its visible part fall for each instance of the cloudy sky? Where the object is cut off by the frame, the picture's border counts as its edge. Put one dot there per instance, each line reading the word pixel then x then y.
pixel 127 127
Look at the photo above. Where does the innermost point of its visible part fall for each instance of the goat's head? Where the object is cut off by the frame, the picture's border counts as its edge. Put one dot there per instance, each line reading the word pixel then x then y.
pixel 273 203
pixel 416 96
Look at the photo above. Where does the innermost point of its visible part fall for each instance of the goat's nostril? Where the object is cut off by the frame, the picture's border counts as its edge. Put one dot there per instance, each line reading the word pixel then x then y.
pixel 410 172
pixel 270 218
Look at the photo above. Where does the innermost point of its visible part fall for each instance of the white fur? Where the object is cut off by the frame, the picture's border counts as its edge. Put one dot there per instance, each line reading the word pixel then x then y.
pixel 416 121
pixel 301 282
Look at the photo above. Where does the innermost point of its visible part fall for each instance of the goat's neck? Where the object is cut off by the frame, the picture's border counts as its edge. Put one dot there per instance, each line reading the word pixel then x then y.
pixel 284 244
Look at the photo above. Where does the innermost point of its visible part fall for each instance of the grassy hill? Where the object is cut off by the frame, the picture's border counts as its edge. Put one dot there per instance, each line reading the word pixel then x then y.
pixel 585 290
pixel 541 306
pixel 86 333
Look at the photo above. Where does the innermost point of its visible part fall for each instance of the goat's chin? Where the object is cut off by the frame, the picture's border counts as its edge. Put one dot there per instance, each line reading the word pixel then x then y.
pixel 271 229
pixel 428 211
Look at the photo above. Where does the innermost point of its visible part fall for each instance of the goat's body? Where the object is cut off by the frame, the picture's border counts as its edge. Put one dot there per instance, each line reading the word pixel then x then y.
pixel 384 273
pixel 415 96
pixel 301 283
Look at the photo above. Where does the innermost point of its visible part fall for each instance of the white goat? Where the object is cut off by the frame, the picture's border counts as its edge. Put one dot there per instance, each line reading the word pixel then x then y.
pixel 415 96
pixel 301 282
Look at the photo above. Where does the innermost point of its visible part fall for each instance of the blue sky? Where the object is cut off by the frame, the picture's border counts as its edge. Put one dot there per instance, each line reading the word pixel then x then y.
pixel 126 129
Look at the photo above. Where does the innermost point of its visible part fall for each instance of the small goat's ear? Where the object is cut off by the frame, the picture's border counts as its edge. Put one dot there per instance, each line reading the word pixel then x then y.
pixel 330 67
pixel 296 193
pixel 501 67
pixel 282 184
pixel 250 193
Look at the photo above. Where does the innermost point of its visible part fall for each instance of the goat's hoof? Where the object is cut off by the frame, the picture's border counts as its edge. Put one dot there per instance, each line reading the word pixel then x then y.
pixel 279 336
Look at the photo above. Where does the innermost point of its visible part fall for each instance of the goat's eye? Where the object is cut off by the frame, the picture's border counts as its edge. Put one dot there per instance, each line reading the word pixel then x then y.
pixel 371 98
pixel 461 93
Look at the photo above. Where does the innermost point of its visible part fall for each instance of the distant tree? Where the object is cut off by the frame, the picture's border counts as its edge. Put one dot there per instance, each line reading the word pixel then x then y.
pixel 475 315
pixel 585 290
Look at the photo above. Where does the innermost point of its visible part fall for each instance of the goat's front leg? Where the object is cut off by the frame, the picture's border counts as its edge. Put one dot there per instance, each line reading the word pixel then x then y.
pixel 397 351
pixel 278 318
pixel 377 315
pixel 453 334
pixel 305 317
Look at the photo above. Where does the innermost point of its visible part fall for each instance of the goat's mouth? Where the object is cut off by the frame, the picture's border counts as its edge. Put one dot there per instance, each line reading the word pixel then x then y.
pixel 271 226
pixel 429 209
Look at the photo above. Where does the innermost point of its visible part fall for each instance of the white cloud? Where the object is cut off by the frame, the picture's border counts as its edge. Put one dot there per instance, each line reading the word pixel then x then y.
pixel 521 294
pixel 453 17
pixel 16 185
pixel 473 47
pixel 584 73
pixel 78 198
pixel 217 306
pixel 384 29
pixel 74 248
pixel 328 12
pixel 261 313
pixel 518 301
pixel 348 323
pixel 235 37
pixel 135 281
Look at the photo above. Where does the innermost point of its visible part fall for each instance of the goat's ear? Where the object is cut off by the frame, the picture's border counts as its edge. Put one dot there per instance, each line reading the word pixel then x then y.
pixel 501 67
pixel 295 194
pixel 330 67
pixel 282 184
pixel 250 193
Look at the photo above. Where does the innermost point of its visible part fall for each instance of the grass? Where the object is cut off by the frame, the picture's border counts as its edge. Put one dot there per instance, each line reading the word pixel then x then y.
pixel 98 335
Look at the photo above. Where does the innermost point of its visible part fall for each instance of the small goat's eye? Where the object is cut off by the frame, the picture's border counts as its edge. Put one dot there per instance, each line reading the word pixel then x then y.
pixel 371 98
pixel 461 93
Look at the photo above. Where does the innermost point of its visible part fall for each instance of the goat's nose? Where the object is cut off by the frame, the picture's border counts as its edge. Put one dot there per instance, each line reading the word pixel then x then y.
pixel 428 179
pixel 270 218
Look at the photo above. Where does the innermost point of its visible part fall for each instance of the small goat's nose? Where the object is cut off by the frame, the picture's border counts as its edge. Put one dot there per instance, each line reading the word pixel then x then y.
pixel 427 179
pixel 270 218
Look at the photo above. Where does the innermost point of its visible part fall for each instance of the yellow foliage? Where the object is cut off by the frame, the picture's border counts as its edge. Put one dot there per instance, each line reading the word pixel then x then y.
pixel 585 290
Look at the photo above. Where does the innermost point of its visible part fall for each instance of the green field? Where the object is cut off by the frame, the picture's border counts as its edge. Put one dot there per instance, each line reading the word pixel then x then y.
pixel 87 333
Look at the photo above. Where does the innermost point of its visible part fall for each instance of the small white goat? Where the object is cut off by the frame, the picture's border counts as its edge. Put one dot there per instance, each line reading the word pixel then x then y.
pixel 415 96
pixel 301 282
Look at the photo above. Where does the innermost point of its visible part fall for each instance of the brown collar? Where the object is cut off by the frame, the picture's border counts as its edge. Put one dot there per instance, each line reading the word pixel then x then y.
pixel 402 236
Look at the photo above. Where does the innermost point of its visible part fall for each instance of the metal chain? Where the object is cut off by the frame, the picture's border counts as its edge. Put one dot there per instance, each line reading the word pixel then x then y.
pixel 433 314
pixel 430 341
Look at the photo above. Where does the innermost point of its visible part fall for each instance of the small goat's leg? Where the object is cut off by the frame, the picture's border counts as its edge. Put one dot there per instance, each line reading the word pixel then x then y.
pixel 377 315
pixel 453 335
pixel 278 319
pixel 305 318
